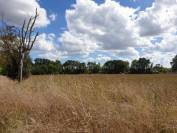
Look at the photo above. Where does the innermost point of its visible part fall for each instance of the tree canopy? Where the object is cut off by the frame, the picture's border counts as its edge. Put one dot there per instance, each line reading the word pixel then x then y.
pixel 45 66
pixel 141 66
pixel 115 66
pixel 93 67
pixel 174 64
pixel 73 67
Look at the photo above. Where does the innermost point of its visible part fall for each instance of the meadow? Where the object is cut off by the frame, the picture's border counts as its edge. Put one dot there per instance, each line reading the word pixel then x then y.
pixel 89 104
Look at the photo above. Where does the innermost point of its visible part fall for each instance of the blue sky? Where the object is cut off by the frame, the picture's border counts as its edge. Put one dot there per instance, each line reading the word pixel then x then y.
pixel 100 30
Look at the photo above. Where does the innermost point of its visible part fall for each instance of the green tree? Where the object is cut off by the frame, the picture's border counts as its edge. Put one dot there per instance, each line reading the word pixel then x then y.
pixel 74 67
pixel 159 69
pixel 93 67
pixel 174 64
pixel 45 66
pixel 116 66
pixel 141 66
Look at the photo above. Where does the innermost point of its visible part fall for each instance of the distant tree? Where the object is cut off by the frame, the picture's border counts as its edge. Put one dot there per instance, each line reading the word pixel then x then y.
pixel 159 69
pixel 93 67
pixel 134 66
pixel 116 66
pixel 45 66
pixel 73 67
pixel 141 66
pixel 174 64
pixel 82 68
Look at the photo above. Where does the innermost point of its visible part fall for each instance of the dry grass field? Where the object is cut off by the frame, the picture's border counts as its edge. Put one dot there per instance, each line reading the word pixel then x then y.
pixel 89 104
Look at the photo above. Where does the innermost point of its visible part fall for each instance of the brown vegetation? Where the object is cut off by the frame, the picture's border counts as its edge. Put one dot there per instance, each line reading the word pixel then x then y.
pixel 89 104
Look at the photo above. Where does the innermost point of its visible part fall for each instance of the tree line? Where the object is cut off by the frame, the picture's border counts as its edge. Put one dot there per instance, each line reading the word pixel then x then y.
pixel 140 66
pixel 45 66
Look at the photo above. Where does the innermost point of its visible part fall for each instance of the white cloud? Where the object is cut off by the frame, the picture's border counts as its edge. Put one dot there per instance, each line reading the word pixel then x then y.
pixel 74 43
pixel 157 57
pixel 108 26
pixel 129 53
pixel 50 55
pixel 158 19
pixel 102 58
pixel 53 16
pixel 163 50
pixel 168 43
pixel 16 11
pixel 45 42
pixel 122 31
pixel 46 47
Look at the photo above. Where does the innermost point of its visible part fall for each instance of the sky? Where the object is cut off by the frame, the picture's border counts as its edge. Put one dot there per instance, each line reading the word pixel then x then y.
pixel 100 30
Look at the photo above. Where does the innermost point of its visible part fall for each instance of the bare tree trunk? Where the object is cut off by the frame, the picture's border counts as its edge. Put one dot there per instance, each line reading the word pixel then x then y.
pixel 21 67
pixel 26 41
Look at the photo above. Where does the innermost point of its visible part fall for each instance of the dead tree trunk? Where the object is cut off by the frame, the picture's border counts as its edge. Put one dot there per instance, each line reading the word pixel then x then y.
pixel 21 67
pixel 27 39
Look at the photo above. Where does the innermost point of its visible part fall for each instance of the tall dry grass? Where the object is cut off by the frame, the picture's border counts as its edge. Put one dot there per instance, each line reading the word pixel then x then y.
pixel 89 104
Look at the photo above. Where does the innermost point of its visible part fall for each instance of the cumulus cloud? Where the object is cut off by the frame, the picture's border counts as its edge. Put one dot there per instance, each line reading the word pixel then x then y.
pixel 16 11
pixel 107 26
pixel 163 50
pixel 167 44
pixel 47 47
pixel 158 57
pixel 45 42
pixel 122 31
pixel 74 43
pixel 129 53
pixel 100 58
pixel 158 19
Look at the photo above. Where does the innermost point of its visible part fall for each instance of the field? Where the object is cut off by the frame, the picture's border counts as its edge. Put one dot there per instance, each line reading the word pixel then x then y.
pixel 89 104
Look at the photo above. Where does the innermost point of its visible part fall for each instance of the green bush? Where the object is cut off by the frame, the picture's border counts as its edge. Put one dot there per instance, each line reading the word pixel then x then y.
pixel 12 67
pixel 2 71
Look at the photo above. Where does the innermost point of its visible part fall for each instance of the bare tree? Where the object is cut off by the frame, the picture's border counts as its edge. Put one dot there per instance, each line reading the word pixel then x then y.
pixel 27 37
pixel 18 41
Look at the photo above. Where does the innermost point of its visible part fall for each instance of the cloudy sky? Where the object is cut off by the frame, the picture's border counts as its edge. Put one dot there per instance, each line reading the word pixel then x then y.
pixel 100 30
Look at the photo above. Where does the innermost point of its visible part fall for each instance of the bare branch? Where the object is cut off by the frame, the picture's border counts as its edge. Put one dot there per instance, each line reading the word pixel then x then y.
pixel 33 41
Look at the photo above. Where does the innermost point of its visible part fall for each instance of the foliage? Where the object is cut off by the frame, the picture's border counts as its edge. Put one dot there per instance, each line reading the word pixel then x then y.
pixel 159 69
pixel 2 71
pixel 93 67
pixel 45 66
pixel 15 45
pixel 74 67
pixel 141 66
pixel 174 64
pixel 9 55
pixel 12 68
pixel 115 67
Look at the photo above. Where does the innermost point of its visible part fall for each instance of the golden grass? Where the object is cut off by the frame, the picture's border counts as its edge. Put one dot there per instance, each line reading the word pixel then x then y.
pixel 89 104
